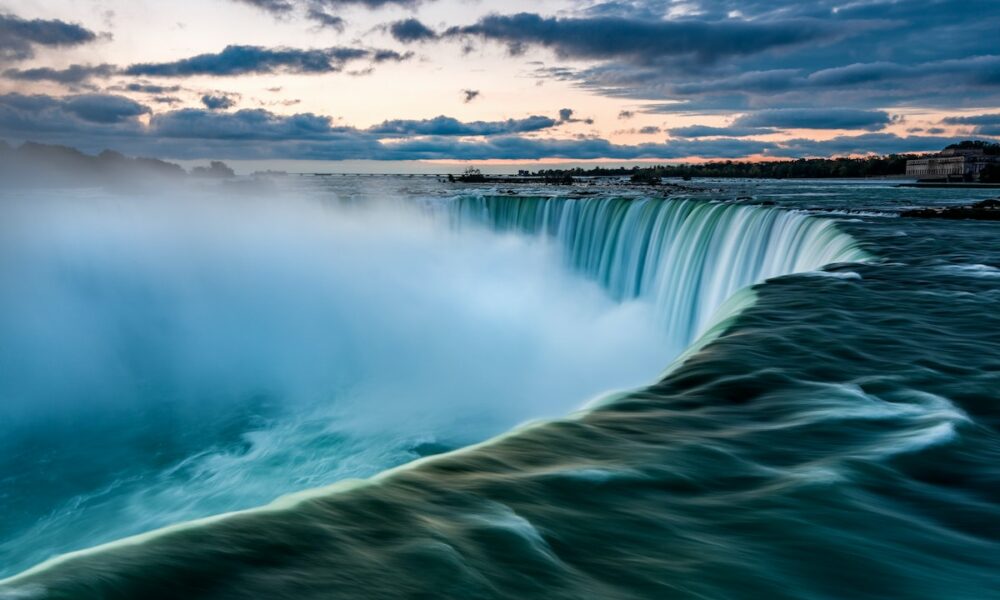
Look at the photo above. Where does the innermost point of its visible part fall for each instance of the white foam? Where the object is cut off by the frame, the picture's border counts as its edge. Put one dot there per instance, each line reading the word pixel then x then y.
pixel 834 274
pixel 975 270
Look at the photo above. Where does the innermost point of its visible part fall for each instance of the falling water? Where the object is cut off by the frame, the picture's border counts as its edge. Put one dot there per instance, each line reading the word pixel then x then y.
pixel 686 256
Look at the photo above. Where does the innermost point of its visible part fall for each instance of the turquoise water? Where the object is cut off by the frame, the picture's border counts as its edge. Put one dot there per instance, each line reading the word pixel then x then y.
pixel 835 437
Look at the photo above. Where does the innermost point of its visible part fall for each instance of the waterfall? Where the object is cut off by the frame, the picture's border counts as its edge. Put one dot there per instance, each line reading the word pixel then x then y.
pixel 301 281
pixel 685 256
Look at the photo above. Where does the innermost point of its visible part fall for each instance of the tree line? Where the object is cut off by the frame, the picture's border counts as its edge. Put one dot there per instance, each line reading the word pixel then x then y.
pixel 873 166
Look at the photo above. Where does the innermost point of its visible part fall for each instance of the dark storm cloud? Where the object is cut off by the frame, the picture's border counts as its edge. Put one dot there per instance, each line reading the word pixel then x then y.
pixel 18 37
pixel 449 126
pixel 243 60
pixel 816 118
pixel 643 40
pixel 701 131
pixel 70 75
pixel 411 30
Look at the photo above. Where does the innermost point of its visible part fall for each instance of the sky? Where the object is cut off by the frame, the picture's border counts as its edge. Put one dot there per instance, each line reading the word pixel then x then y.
pixel 399 81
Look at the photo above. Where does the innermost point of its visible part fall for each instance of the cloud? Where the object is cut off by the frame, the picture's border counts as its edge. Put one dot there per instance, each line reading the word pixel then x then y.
pixel 411 30
pixel 448 126
pixel 987 119
pixel 816 118
pixel 868 143
pixel 864 55
pixel 69 115
pixel 701 131
pixel 864 84
pixel 103 108
pixel 273 6
pixel 243 60
pixel 626 114
pixel 986 124
pixel 147 88
pixel 770 81
pixel 520 148
pixel 83 122
pixel 371 4
pixel 95 121
pixel 642 40
pixel 166 100
pixel 470 95
pixel 381 56
pixel 218 101
pixel 880 77
pixel 18 37
pixel 325 19
pixel 566 116
pixel 70 75
pixel 246 124
pixel 317 10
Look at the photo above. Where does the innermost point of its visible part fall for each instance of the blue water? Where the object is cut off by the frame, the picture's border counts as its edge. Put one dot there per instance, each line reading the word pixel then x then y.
pixel 829 433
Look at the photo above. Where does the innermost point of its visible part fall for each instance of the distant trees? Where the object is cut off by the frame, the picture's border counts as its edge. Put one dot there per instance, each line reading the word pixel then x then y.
pixel 990 174
pixel 471 175
pixel 33 164
pixel 646 177
pixel 216 168
pixel 991 148
pixel 804 168
pixel 559 179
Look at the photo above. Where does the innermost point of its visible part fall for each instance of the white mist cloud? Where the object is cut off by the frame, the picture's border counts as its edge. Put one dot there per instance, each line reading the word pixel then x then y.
pixel 351 334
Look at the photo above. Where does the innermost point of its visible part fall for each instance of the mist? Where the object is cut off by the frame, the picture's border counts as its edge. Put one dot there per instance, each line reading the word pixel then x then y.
pixel 178 355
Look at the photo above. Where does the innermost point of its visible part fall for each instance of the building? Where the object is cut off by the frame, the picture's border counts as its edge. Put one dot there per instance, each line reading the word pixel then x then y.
pixel 952 164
